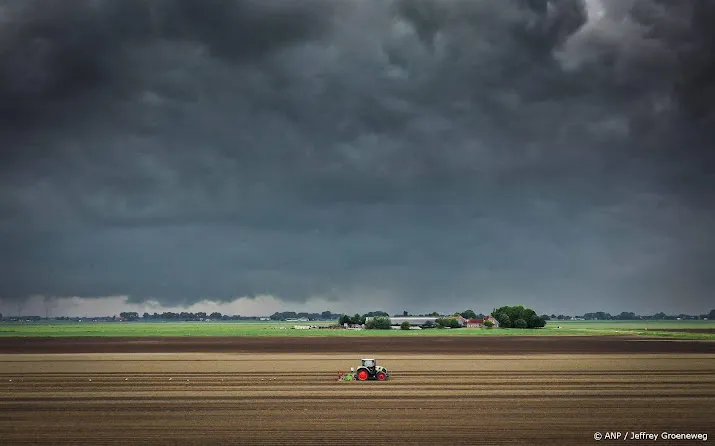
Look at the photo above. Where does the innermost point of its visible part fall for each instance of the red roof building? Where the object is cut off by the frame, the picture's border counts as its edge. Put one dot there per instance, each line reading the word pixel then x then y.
pixel 474 323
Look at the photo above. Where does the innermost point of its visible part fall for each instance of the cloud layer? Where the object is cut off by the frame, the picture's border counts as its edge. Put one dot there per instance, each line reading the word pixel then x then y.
pixel 555 153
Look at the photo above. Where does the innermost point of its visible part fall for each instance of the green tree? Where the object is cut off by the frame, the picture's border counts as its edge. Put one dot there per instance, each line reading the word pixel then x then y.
pixel 375 314
pixel 469 314
pixel 428 324
pixel 488 324
pixel 503 319
pixel 520 323
pixel 405 326
pixel 599 315
pixel 344 319
pixel 536 321
pixel 379 323
pixel 509 315
pixel 450 322
pixel 711 315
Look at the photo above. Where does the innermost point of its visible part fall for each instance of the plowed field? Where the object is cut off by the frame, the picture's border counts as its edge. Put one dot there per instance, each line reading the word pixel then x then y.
pixel 271 399
pixel 370 345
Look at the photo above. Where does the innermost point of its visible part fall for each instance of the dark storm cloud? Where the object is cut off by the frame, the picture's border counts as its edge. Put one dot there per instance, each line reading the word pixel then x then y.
pixel 55 50
pixel 553 153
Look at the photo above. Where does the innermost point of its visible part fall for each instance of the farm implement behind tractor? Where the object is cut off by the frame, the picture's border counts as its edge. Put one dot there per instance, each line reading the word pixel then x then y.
pixel 368 370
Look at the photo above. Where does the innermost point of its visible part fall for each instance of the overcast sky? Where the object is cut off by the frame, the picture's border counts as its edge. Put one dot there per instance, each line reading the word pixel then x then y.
pixel 357 155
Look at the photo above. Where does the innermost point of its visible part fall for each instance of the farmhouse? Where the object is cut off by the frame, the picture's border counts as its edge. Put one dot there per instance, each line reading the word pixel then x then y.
pixel 462 321
pixel 478 323
pixel 420 321
pixel 412 320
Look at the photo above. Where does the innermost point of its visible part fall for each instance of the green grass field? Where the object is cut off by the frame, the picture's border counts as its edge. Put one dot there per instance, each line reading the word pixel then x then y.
pixel 635 325
pixel 568 328
pixel 641 328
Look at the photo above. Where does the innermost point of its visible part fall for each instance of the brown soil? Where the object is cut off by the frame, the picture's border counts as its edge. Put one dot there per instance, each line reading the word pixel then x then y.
pixel 422 344
pixel 276 399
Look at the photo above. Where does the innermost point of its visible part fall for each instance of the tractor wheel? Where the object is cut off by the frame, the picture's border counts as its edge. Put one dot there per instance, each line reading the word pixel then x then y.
pixel 381 376
pixel 362 375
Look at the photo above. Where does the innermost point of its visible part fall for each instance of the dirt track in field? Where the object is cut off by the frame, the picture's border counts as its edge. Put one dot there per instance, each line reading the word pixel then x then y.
pixel 294 399
pixel 394 344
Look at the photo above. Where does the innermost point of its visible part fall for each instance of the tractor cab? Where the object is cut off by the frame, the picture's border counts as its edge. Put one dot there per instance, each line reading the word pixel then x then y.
pixel 369 363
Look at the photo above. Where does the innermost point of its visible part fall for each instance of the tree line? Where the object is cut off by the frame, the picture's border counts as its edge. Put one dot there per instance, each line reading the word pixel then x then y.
pixel 360 319
pixel 217 316
pixel 508 317
pixel 631 316
pixel 518 317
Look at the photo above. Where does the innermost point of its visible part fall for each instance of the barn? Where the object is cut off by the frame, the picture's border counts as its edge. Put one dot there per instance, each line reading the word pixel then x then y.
pixel 478 323
pixel 413 320
pixel 419 321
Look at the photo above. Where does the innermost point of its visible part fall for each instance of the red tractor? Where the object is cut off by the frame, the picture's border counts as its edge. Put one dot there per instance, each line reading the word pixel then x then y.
pixel 368 370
